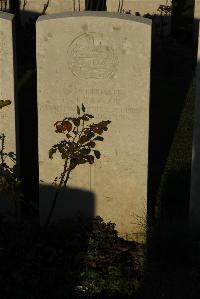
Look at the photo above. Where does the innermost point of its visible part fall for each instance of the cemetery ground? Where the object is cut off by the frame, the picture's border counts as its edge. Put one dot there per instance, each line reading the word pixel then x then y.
pixel 89 260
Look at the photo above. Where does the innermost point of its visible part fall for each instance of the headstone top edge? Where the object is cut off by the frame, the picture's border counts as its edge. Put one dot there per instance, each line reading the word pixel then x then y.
pixel 6 15
pixel 96 14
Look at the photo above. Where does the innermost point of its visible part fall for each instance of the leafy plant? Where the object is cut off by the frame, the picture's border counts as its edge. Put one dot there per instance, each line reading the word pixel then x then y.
pixel 4 103
pixel 8 179
pixel 7 173
pixel 111 265
pixel 77 147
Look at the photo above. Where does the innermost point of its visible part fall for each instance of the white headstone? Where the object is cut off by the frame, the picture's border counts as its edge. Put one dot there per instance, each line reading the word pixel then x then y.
pixel 102 60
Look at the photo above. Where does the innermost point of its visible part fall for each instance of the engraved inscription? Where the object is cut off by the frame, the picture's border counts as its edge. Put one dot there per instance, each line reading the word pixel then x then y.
pixel 102 102
pixel 91 56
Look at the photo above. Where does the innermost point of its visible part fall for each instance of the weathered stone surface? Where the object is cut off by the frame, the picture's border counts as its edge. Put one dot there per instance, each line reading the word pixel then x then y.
pixel 7 89
pixel 7 114
pixel 195 173
pixel 102 60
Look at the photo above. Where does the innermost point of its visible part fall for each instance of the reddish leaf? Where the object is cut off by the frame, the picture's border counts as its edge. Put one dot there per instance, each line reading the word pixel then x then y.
pixel 103 124
pixel 59 129
pixel 67 125
pixel 98 131
pixel 56 123
pixel 83 139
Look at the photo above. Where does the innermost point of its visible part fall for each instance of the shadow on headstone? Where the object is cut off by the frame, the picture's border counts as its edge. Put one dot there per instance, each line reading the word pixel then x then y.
pixel 71 203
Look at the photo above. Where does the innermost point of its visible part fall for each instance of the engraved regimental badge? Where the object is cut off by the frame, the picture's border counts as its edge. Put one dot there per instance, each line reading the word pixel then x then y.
pixel 91 56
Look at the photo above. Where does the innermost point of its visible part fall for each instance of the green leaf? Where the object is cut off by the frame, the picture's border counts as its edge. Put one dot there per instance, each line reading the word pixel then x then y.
pixel 78 110
pixel 99 138
pixel 64 156
pixel 85 117
pixel 90 135
pixel 90 115
pixel 82 161
pixel 51 152
pixel 85 151
pixel 90 159
pixel 83 108
pixel 97 154
pixel 91 144
pixel 76 122
pixel 4 103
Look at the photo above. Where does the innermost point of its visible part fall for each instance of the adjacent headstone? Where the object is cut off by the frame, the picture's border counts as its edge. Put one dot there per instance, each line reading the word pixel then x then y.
pixel 197 9
pixel 196 21
pixel 141 6
pixel 58 6
pixel 7 85
pixel 102 60
pixel 4 5
pixel 161 17
pixel 52 6
pixel 158 10
pixel 195 172
pixel 34 8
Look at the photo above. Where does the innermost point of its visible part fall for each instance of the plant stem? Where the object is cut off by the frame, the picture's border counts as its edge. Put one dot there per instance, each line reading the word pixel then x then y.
pixel 67 177
pixel 2 148
pixel 63 174
pixel 57 192
pixel 52 207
